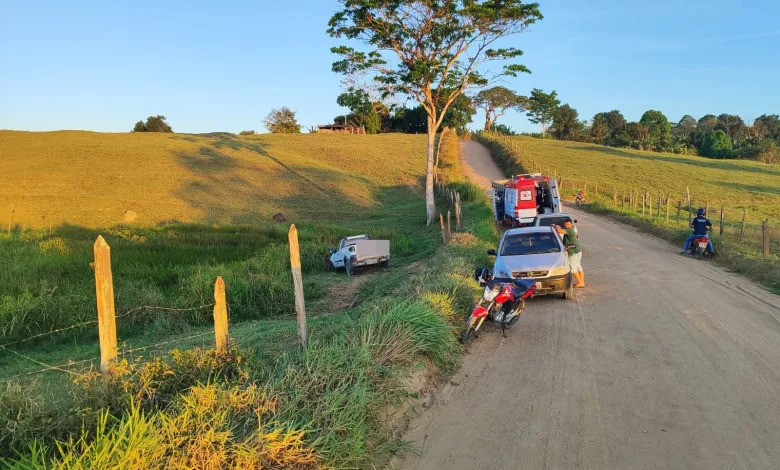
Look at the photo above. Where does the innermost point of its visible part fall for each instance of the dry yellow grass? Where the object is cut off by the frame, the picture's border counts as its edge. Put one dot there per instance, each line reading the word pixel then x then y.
pixel 92 179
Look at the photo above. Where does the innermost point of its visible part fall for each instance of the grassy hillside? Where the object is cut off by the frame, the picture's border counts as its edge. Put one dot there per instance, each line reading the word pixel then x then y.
pixel 267 402
pixel 330 185
pixel 91 179
pixel 732 183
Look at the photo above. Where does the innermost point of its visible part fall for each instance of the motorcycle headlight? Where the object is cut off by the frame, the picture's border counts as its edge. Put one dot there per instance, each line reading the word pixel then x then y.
pixel 501 273
pixel 490 294
pixel 559 271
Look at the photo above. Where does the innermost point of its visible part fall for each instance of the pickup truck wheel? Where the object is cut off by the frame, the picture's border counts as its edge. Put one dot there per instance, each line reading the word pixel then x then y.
pixel 331 266
pixel 385 263
pixel 348 267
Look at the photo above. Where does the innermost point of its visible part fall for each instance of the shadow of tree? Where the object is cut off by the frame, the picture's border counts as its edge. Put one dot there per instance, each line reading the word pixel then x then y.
pixel 227 189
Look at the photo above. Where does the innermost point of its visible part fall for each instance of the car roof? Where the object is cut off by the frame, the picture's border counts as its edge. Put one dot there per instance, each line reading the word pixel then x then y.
pixel 513 231
pixel 557 214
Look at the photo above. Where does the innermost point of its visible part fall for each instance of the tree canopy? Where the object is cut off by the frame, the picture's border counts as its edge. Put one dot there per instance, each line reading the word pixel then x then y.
pixel 282 121
pixel 566 124
pixel 717 144
pixel 496 101
pixel 153 124
pixel 659 130
pixel 432 51
pixel 542 107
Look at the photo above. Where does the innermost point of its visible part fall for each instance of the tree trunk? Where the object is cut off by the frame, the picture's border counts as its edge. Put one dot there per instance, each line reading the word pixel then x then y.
pixel 430 205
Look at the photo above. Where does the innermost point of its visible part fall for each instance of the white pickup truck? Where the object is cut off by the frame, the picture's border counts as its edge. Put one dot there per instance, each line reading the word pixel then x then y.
pixel 359 250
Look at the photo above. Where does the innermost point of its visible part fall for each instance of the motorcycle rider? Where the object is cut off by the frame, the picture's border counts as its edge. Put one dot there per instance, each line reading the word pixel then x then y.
pixel 701 224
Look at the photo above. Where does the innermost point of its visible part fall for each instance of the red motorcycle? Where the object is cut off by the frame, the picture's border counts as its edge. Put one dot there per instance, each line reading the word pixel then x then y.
pixel 503 301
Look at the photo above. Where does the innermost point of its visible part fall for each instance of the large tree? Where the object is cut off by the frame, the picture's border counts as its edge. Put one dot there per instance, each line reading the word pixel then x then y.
pixel 282 121
pixel 732 125
pixel 542 107
pixel 566 124
pixel 659 130
pixel 496 101
pixel 431 50
pixel 605 125
pixel 767 126
pixel 717 144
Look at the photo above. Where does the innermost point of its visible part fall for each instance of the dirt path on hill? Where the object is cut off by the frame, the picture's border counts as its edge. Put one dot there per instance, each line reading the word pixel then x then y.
pixel 661 362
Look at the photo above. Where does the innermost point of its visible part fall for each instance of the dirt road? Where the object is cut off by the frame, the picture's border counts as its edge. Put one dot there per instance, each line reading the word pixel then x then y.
pixel 661 362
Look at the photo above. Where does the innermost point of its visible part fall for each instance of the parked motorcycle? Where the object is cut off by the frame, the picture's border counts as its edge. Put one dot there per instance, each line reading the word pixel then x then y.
pixel 503 301
pixel 699 247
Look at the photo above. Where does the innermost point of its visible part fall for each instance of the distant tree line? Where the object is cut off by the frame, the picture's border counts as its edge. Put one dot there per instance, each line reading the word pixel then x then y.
pixel 722 136
pixel 376 116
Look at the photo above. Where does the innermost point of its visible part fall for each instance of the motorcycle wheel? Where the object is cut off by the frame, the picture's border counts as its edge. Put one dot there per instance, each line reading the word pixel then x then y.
pixel 470 330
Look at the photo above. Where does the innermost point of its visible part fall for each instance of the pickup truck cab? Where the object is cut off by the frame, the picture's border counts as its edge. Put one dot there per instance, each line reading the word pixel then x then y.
pixel 357 251
pixel 559 219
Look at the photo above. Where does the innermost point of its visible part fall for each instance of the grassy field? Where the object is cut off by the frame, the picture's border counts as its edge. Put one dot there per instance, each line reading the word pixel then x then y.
pixel 92 179
pixel 736 185
pixel 267 403
pixel 204 205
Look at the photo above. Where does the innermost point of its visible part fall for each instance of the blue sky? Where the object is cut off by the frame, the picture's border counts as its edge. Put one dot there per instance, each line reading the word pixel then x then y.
pixel 212 66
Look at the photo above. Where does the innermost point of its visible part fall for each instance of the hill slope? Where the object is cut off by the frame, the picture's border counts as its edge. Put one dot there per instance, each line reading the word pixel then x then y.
pixel 732 183
pixel 91 179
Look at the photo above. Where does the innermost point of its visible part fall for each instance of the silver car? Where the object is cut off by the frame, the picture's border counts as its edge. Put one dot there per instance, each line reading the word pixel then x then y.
pixel 538 254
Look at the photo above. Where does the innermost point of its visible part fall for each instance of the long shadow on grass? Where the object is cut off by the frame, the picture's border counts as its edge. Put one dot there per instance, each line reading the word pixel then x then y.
pixel 226 191
pixel 716 164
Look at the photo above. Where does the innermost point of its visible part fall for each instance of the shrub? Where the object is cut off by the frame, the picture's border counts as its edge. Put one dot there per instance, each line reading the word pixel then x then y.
pixel 249 132
pixel 717 144
pixel 449 156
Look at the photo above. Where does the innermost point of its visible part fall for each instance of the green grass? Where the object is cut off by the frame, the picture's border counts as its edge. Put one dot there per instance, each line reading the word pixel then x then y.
pixel 330 186
pixel 337 391
pixel 735 185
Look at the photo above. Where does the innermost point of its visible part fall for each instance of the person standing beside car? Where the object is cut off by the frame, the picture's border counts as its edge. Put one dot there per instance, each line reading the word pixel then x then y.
pixel 574 251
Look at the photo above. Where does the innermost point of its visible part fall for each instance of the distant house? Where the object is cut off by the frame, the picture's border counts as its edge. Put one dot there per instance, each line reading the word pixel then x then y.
pixel 340 129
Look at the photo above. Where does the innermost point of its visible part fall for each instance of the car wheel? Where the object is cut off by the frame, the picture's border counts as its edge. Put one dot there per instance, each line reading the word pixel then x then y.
pixel 385 263
pixel 568 294
pixel 331 266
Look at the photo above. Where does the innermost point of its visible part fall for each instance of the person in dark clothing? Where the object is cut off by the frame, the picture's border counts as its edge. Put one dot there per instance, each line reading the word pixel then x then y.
pixel 701 224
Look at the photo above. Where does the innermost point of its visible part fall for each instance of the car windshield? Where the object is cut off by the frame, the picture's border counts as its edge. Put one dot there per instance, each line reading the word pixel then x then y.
pixel 530 244
pixel 547 221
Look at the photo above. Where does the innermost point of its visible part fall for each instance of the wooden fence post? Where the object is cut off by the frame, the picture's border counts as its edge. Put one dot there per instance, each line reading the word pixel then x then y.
pixel 220 316
pixel 443 230
pixel 658 214
pixel 744 219
pixel 457 212
pixel 623 201
pixel 667 209
pixel 707 209
pixel 679 203
pixel 295 267
pixel 720 229
pixel 650 205
pixel 614 197
pixel 104 292
pixel 765 235
pixel 644 199
pixel 690 209
pixel 449 225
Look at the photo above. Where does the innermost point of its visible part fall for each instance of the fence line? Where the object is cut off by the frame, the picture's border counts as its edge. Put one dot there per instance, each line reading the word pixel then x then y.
pixel 92 322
